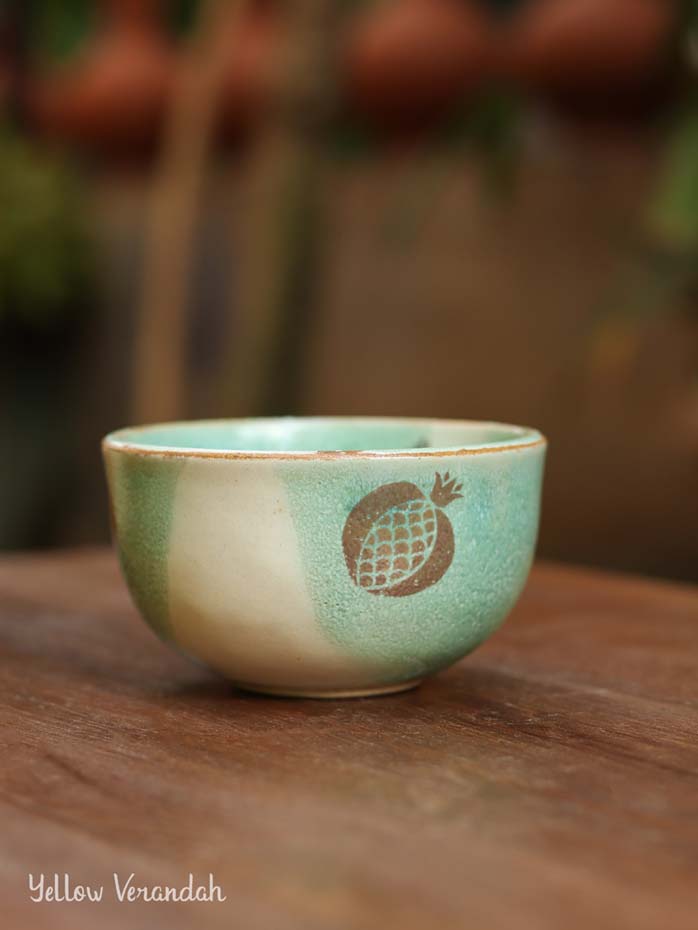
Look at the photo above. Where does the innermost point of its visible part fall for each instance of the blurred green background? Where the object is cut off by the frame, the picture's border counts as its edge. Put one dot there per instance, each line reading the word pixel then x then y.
pixel 419 207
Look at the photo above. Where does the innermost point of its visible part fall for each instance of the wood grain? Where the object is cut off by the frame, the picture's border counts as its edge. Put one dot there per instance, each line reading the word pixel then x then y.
pixel 548 781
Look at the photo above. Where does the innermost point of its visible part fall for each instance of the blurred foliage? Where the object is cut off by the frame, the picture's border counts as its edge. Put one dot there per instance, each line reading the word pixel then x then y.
pixel 674 214
pixel 58 27
pixel 39 194
pixel 44 250
pixel 674 211
pixel 183 14
pixel 492 127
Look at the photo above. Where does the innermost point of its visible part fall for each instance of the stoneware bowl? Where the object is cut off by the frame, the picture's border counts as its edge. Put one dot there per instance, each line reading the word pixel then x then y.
pixel 325 557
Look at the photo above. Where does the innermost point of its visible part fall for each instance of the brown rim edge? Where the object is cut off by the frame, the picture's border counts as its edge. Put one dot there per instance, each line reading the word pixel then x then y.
pixel 130 449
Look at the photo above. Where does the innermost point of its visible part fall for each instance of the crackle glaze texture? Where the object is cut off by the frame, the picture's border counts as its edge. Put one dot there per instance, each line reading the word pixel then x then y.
pixel 142 507
pixel 326 573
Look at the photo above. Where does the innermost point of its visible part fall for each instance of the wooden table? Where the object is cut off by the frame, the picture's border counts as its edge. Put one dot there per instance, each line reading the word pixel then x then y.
pixel 548 781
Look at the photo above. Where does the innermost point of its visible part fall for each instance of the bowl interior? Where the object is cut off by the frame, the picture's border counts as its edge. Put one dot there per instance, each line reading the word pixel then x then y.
pixel 319 434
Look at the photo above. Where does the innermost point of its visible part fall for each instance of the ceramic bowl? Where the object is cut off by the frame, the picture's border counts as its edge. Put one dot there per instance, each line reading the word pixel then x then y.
pixel 325 557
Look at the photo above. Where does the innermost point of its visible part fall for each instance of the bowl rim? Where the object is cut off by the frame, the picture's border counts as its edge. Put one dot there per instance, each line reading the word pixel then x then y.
pixel 524 437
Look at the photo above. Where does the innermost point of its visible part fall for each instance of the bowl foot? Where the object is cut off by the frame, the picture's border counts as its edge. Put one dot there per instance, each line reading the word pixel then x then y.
pixel 376 691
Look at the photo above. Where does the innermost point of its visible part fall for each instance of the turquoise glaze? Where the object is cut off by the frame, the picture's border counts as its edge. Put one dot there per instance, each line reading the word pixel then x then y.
pixel 494 524
pixel 142 506
pixel 326 557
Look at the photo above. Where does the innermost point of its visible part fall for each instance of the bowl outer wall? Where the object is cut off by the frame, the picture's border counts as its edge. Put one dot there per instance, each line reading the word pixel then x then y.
pixel 239 562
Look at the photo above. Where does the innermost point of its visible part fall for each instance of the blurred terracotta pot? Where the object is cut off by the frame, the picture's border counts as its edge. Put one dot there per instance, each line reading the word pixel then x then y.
pixel 589 46
pixel 255 50
pixel 408 61
pixel 112 98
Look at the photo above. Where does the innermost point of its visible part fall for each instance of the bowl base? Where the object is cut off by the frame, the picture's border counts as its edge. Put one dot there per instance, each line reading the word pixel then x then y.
pixel 331 694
